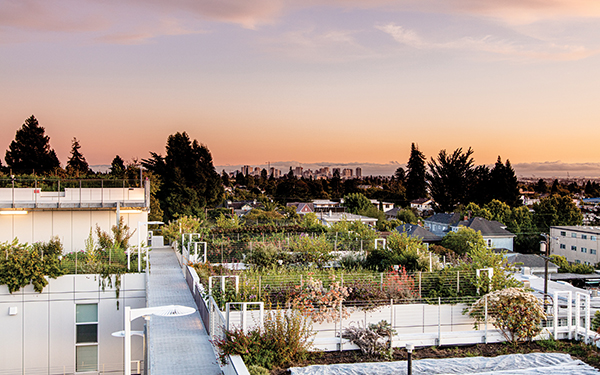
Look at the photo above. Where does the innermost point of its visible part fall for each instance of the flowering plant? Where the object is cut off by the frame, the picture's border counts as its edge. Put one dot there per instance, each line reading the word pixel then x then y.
pixel 514 311
pixel 321 303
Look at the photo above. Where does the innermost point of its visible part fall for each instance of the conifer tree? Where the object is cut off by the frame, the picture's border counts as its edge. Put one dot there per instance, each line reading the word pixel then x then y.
pixel 30 151
pixel 77 164
pixel 117 167
pixel 416 185
pixel 504 184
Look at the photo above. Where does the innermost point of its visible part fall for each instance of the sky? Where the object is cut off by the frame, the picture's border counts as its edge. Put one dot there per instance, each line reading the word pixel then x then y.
pixel 328 81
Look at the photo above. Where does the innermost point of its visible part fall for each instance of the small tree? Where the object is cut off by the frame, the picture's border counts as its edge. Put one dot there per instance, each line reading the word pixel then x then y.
pixel 517 313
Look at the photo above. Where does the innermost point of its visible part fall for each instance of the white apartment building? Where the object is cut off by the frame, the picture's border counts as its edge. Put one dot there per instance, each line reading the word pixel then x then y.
pixel 36 215
pixel 579 244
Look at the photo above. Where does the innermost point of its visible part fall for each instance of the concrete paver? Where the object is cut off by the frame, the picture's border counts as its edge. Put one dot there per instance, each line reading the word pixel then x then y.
pixel 175 345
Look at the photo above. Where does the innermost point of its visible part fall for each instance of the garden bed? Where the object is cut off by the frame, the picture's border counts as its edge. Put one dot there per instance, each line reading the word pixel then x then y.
pixel 586 353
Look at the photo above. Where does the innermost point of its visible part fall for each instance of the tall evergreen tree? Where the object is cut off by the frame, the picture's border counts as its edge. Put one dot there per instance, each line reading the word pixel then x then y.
pixel 189 180
pixel 416 184
pixel 449 178
pixel 77 165
pixel 31 150
pixel 117 167
pixel 504 184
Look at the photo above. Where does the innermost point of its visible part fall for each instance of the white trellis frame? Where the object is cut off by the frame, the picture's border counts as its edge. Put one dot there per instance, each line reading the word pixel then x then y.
pixel 185 247
pixel 383 242
pixel 245 305
pixel 222 278
pixel 490 272
pixel 569 296
pixel 585 299
pixel 193 253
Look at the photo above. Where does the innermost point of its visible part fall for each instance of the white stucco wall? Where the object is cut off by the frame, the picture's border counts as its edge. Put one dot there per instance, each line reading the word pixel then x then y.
pixel 71 226
pixel 40 338
pixel 501 242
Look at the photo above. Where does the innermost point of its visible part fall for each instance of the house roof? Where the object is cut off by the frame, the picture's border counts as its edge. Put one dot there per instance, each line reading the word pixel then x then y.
pixel 486 227
pixel 530 260
pixel 393 212
pixel 412 230
pixel 444 218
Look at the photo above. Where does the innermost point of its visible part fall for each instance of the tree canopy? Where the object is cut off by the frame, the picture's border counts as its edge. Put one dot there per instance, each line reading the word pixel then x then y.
pixel 449 178
pixel 189 180
pixel 31 150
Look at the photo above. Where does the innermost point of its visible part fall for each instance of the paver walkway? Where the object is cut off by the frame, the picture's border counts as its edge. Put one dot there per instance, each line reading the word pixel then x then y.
pixel 175 345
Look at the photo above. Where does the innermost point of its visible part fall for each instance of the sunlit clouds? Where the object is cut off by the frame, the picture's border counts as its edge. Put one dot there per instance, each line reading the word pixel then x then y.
pixel 337 80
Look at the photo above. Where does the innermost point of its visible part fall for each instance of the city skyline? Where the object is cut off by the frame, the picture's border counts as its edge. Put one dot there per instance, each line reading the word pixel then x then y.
pixel 347 82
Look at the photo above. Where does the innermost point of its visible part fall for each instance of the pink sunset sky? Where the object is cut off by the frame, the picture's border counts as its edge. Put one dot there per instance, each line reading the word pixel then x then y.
pixel 328 80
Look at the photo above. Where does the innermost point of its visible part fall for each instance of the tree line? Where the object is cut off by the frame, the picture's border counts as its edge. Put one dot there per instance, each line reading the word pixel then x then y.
pixel 184 181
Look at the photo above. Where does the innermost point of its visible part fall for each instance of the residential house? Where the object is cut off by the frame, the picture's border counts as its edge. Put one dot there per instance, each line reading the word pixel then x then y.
pixel 494 233
pixel 417 231
pixel 422 204
pixel 302 208
pixel 439 224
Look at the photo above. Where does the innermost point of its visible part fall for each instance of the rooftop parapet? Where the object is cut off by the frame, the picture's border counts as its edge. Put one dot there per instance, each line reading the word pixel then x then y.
pixel 73 194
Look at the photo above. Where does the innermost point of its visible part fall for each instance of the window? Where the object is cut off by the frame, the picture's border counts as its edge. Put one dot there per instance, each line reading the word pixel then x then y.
pixel 86 337
pixel 562 233
pixel 593 251
pixel 584 250
pixel 584 236
pixel 563 246
pixel 577 261
pixel 574 248
pixel 574 235
pixel 489 243
pixel 593 238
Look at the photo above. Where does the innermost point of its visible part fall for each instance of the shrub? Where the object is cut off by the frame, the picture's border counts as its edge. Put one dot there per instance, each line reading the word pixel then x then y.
pixel 399 285
pixel 265 255
pixel 517 313
pixel 285 337
pixel 373 340
pixel 320 303
pixel 314 251
pixel 258 370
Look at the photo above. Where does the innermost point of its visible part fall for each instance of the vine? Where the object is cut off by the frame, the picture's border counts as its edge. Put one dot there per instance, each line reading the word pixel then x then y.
pixel 25 264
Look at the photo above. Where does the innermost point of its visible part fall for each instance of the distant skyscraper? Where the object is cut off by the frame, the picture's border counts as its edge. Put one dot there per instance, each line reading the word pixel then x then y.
pixel 358 172
pixel 245 170
pixel 347 173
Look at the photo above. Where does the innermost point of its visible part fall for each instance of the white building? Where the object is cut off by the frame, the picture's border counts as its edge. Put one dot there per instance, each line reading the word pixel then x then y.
pixel 33 214
pixel 579 244
pixel 66 329
pixel 329 218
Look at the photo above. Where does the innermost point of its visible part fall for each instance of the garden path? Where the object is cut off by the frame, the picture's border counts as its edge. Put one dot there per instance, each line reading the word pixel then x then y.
pixel 175 345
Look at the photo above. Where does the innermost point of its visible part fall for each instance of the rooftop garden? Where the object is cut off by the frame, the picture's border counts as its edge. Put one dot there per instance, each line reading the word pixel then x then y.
pixel 22 264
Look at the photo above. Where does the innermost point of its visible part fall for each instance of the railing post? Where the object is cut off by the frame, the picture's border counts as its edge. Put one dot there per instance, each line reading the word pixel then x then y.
pixel 486 320
pixel 439 322
pixel 555 302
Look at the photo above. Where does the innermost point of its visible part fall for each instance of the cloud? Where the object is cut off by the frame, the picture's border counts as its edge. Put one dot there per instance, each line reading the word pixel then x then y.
pixel 558 169
pixel 534 49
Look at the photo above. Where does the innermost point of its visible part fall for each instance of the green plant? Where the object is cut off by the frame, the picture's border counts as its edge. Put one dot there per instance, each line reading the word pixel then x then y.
pixel 285 337
pixel 258 370
pixel 265 255
pixel 517 313
pixel 306 250
pixel 22 264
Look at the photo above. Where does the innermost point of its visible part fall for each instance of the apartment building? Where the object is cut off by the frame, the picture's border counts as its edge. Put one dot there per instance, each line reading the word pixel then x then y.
pixel 579 244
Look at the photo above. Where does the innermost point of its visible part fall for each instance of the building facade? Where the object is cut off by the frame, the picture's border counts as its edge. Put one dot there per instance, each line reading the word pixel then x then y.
pixel 34 215
pixel 579 244
pixel 66 329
